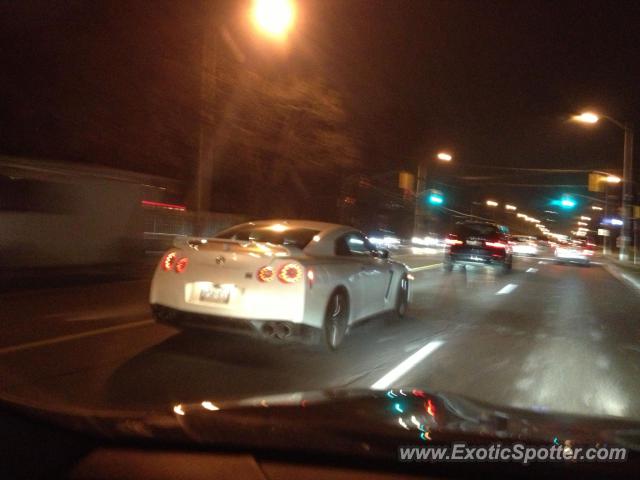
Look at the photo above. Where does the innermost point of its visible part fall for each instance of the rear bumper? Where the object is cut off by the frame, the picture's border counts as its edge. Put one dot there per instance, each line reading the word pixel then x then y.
pixel 277 330
pixel 573 258
pixel 476 259
pixel 248 300
pixel 533 251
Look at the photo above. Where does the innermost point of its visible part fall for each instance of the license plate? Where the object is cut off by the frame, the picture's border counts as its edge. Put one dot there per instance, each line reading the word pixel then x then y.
pixel 474 243
pixel 214 293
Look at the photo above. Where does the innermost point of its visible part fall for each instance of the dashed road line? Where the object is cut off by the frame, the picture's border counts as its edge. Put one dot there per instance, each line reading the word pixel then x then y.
pixel 395 373
pixel 507 289
pixel 426 267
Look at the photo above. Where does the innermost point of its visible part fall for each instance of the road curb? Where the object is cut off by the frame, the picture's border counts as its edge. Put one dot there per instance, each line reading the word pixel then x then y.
pixel 624 278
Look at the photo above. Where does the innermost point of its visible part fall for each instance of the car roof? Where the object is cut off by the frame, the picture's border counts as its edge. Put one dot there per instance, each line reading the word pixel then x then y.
pixel 328 233
pixel 311 224
pixel 476 222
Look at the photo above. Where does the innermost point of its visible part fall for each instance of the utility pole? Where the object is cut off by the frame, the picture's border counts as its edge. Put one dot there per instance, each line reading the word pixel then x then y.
pixel 627 189
pixel 605 241
pixel 420 185
pixel 204 168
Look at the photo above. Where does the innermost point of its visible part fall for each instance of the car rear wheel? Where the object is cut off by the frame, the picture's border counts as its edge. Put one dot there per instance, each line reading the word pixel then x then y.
pixel 506 266
pixel 402 297
pixel 336 319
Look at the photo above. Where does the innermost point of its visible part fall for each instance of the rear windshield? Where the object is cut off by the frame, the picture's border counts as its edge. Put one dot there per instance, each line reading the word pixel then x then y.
pixel 475 229
pixel 297 237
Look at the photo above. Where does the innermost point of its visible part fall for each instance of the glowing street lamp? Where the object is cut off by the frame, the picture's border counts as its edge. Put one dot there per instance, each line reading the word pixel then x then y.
pixel 491 203
pixel 583 217
pixel 612 179
pixel 595 207
pixel 275 18
pixel 627 169
pixel 587 117
pixel 421 180
pixel 510 207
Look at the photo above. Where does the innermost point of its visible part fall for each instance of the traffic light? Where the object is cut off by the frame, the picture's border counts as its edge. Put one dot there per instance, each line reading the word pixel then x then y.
pixel 435 198
pixel 566 202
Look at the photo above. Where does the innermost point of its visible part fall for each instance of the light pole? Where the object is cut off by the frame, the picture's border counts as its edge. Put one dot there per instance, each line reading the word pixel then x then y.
pixel 627 181
pixel 421 180
pixel 271 18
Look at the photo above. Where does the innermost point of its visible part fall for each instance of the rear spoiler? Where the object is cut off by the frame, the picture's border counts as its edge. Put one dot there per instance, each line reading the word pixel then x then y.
pixel 239 246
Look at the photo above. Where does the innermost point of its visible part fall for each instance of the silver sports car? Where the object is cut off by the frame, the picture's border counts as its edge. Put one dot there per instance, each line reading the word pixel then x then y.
pixel 279 279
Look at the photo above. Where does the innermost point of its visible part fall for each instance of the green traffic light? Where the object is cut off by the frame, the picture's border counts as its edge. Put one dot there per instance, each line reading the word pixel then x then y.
pixel 436 199
pixel 566 202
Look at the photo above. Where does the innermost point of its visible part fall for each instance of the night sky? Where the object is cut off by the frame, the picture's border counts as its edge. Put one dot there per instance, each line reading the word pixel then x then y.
pixel 494 82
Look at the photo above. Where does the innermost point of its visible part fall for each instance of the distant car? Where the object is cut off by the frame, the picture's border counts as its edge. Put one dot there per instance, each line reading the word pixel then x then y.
pixel 278 279
pixel 478 243
pixel 524 245
pixel 574 252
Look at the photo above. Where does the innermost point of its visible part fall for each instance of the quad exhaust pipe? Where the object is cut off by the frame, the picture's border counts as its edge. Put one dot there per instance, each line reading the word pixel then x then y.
pixel 277 330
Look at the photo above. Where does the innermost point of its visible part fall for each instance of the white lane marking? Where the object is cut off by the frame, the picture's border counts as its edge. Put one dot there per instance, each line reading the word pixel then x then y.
pixel 411 361
pixel 532 270
pixel 65 338
pixel 426 267
pixel 507 289
pixel 631 280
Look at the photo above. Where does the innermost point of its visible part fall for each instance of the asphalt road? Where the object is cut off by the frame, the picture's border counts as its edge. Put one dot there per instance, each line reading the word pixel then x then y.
pixel 560 338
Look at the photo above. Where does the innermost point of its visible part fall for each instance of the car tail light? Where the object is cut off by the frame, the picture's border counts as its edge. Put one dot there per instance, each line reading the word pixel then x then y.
pixel 453 241
pixel 265 274
pixel 168 261
pixel 495 244
pixel 290 273
pixel 181 265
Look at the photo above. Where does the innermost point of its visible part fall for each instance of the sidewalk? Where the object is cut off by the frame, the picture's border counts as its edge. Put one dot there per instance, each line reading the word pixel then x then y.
pixel 625 271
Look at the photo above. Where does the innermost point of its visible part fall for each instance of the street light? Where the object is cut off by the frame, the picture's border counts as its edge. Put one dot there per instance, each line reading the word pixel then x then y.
pixel 583 217
pixel 274 17
pixel 589 117
pixel 491 203
pixel 595 207
pixel 510 207
pixel 612 179
pixel 421 181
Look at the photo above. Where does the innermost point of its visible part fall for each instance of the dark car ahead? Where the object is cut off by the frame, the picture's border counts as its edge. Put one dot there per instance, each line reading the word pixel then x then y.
pixel 478 243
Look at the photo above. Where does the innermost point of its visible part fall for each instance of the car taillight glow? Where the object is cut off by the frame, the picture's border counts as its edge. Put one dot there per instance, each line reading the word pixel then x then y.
pixel 181 265
pixel 495 244
pixel 290 273
pixel 168 261
pixel 265 274
pixel 453 241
